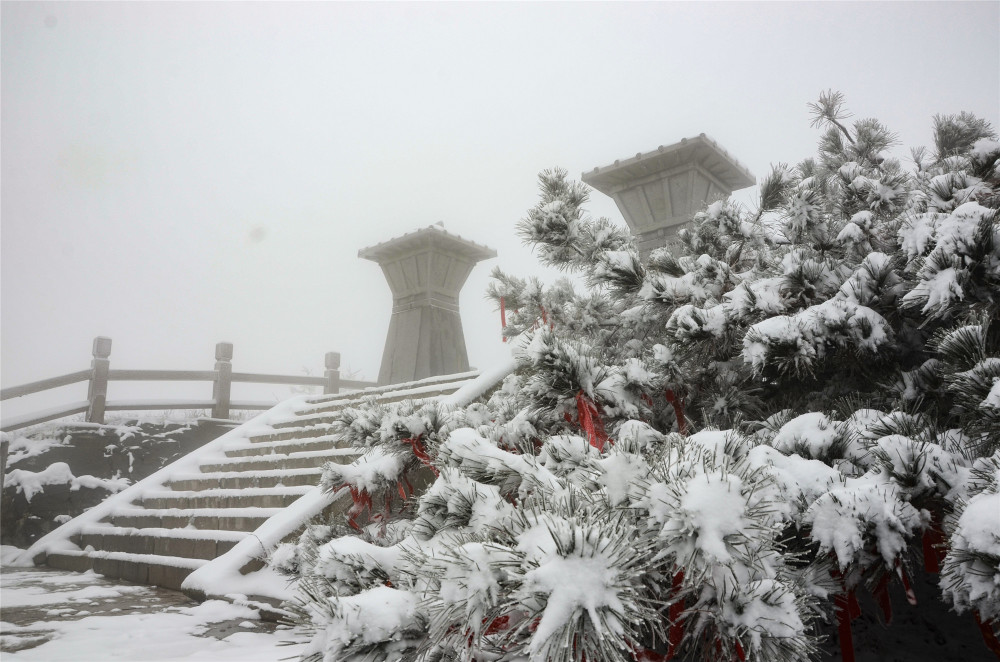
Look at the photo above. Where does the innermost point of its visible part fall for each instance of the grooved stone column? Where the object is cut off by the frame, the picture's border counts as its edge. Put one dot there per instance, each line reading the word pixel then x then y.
pixel 426 270
pixel 658 192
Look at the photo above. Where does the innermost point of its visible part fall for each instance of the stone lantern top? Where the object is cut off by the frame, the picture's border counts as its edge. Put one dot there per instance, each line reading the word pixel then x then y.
pixel 658 192
pixel 700 150
pixel 431 237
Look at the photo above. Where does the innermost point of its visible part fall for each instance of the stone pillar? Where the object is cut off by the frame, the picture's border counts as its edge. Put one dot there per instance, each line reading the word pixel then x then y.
pixel 222 387
pixel 658 192
pixel 332 374
pixel 426 270
pixel 97 391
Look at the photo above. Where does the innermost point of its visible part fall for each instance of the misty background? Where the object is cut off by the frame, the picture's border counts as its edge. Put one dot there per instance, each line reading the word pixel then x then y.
pixel 178 174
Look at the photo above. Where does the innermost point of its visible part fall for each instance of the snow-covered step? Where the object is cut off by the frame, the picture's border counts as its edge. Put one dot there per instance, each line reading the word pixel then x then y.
pixel 228 519
pixel 235 480
pixel 258 497
pixel 283 447
pixel 304 460
pixel 458 378
pixel 187 543
pixel 292 433
pixel 152 569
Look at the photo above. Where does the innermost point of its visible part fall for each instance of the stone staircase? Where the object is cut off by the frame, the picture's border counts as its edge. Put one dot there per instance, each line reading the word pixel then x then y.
pixel 162 529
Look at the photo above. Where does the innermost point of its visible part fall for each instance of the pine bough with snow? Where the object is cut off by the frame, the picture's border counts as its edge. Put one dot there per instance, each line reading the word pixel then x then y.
pixel 703 455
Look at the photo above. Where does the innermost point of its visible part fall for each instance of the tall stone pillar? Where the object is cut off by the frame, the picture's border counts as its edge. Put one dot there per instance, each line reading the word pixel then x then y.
pixel 658 192
pixel 426 270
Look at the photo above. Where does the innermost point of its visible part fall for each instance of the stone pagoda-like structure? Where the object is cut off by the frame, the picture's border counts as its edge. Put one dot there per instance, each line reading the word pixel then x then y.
pixel 426 270
pixel 659 191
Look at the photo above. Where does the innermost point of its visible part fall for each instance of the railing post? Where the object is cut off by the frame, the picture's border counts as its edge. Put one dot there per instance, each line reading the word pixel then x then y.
pixel 223 379
pixel 97 391
pixel 332 373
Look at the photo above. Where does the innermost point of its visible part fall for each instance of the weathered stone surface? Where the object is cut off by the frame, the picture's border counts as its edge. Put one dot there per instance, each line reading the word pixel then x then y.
pixel 425 270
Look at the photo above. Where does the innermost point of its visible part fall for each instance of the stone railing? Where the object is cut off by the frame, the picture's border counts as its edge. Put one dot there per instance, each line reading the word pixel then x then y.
pixel 222 378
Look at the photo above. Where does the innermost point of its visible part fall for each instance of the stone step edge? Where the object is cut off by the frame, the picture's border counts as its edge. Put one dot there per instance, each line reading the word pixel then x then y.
pixel 278 457
pixel 375 390
pixel 306 441
pixel 216 535
pixel 196 512
pixel 227 492
pixel 148 559
pixel 266 473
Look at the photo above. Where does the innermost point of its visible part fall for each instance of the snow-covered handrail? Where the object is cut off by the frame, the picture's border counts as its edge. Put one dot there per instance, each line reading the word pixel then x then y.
pixel 100 373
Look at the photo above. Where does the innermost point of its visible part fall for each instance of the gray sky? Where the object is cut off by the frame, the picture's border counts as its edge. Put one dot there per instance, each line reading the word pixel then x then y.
pixel 176 174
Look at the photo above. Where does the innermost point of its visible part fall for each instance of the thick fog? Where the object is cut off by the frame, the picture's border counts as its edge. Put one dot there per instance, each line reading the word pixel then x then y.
pixel 178 174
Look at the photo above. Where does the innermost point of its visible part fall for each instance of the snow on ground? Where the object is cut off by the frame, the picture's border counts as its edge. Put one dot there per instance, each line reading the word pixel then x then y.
pixel 52 615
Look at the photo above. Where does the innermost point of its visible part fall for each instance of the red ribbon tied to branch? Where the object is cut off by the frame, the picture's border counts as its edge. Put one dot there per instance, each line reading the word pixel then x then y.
pixel 678 404
pixel 503 317
pixel 420 452
pixel 589 417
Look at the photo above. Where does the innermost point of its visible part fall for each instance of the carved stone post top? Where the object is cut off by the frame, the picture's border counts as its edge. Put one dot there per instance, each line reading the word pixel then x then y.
pixel 700 150
pixel 431 238
pixel 224 351
pixel 664 188
pixel 102 347
pixel 333 360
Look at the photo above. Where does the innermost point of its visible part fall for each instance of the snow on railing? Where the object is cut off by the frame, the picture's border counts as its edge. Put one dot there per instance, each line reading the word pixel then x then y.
pixel 222 377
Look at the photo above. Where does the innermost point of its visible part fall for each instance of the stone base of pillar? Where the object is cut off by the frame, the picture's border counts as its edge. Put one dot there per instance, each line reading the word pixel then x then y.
pixel 436 348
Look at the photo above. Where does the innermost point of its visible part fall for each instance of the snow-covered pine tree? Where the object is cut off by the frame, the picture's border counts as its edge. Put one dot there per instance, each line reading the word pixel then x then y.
pixel 703 455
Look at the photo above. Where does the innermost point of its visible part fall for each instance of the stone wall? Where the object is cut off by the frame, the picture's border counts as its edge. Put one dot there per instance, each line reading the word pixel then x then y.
pixel 131 451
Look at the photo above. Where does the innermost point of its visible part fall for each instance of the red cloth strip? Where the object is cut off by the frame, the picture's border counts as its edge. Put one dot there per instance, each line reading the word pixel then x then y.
pixel 589 418
pixel 841 605
pixel 934 543
pixel 911 597
pixel 503 317
pixel 989 636
pixel 676 632
pixel 420 452
pixel 678 404
pixel 881 595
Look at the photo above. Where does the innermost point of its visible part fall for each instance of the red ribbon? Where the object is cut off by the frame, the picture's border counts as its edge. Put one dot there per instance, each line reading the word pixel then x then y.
pixel 678 404
pixel 989 637
pixel 881 594
pixel 847 609
pixel 503 317
pixel 589 417
pixel 497 625
pixel 676 632
pixel 935 544
pixel 911 597
pixel 420 452
pixel 362 500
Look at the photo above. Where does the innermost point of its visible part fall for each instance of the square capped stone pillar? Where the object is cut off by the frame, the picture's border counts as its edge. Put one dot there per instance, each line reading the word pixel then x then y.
pixel 658 192
pixel 426 270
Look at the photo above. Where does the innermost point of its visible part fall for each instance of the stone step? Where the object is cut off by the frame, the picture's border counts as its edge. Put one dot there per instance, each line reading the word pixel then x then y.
pixel 260 497
pixel 283 447
pixel 165 571
pixel 418 396
pixel 454 380
pixel 292 433
pixel 234 480
pixel 187 543
pixel 228 519
pixel 318 421
pixel 306 460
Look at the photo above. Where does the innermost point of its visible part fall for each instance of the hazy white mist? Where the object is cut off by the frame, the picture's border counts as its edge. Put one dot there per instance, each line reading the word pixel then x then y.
pixel 176 174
